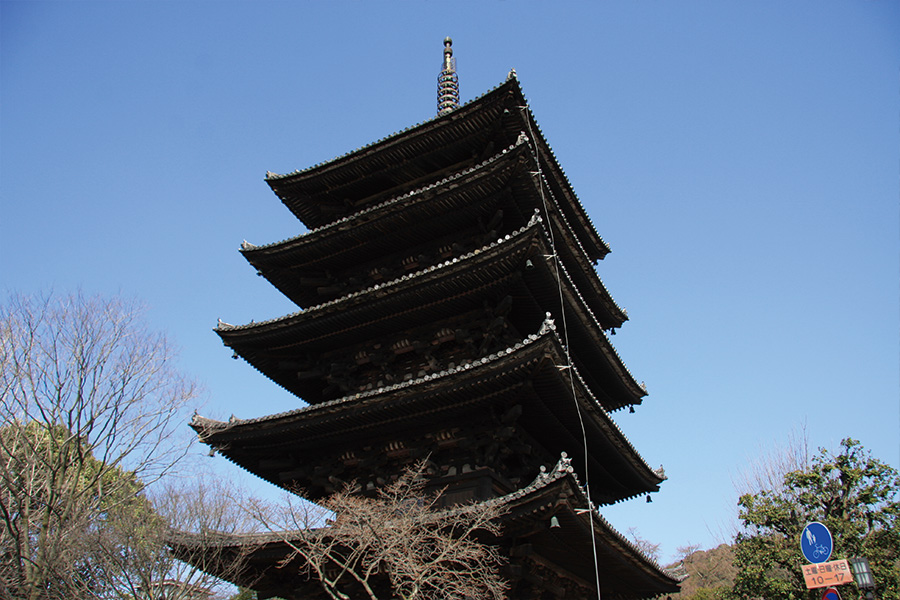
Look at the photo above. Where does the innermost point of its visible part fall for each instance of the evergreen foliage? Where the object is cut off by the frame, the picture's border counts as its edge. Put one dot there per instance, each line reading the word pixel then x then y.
pixel 62 508
pixel 852 493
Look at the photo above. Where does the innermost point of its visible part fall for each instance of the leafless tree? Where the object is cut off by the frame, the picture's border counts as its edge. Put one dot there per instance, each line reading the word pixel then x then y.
pixel 767 470
pixel 399 544
pixel 644 545
pixel 89 404
pixel 686 551
pixel 137 559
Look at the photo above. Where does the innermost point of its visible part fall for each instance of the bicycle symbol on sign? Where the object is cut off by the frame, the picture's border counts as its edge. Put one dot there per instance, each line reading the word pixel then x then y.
pixel 816 542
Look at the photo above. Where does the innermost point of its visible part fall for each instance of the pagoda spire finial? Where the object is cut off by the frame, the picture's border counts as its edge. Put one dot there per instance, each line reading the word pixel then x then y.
pixel 448 82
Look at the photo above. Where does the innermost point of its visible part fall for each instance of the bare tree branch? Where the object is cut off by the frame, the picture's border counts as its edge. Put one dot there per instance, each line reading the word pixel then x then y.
pixel 90 404
pixel 400 544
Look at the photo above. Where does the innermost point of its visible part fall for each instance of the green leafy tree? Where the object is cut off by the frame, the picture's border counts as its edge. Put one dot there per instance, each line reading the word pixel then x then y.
pixel 854 494
pixel 53 488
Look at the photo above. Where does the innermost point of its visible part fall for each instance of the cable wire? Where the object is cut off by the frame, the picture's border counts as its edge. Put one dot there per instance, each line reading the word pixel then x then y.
pixel 562 311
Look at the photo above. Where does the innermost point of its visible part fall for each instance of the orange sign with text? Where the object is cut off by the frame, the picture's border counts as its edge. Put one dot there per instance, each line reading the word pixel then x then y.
pixel 835 572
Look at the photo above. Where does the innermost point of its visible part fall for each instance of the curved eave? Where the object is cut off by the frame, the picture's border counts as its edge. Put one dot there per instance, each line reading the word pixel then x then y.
pixel 357 237
pixel 575 254
pixel 495 167
pixel 364 234
pixel 556 178
pixel 597 348
pixel 430 285
pixel 306 192
pixel 595 417
pixel 445 382
pixel 613 459
pixel 264 344
pixel 360 154
pixel 623 567
pixel 298 189
pixel 638 390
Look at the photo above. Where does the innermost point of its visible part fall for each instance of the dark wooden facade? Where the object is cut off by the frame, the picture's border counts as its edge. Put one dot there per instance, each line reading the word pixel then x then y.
pixel 449 312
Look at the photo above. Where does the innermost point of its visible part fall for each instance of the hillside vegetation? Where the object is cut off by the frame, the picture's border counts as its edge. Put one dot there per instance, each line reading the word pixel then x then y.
pixel 710 573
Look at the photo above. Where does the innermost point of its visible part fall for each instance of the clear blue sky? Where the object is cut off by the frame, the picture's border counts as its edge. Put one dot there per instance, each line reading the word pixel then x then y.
pixel 741 159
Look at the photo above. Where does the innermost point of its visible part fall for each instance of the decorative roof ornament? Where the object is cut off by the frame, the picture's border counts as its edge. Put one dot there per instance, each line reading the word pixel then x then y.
pixel 448 82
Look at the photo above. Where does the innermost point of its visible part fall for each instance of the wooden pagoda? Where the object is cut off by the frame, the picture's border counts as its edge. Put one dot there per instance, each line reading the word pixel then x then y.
pixel 449 312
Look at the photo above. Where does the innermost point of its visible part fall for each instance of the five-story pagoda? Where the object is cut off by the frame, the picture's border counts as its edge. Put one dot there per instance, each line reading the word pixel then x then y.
pixel 449 312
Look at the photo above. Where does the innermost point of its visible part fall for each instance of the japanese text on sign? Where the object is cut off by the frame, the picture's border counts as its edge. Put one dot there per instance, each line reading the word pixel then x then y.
pixel 836 572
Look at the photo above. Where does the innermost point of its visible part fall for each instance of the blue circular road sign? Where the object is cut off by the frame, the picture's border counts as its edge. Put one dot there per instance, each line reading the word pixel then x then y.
pixel 815 542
